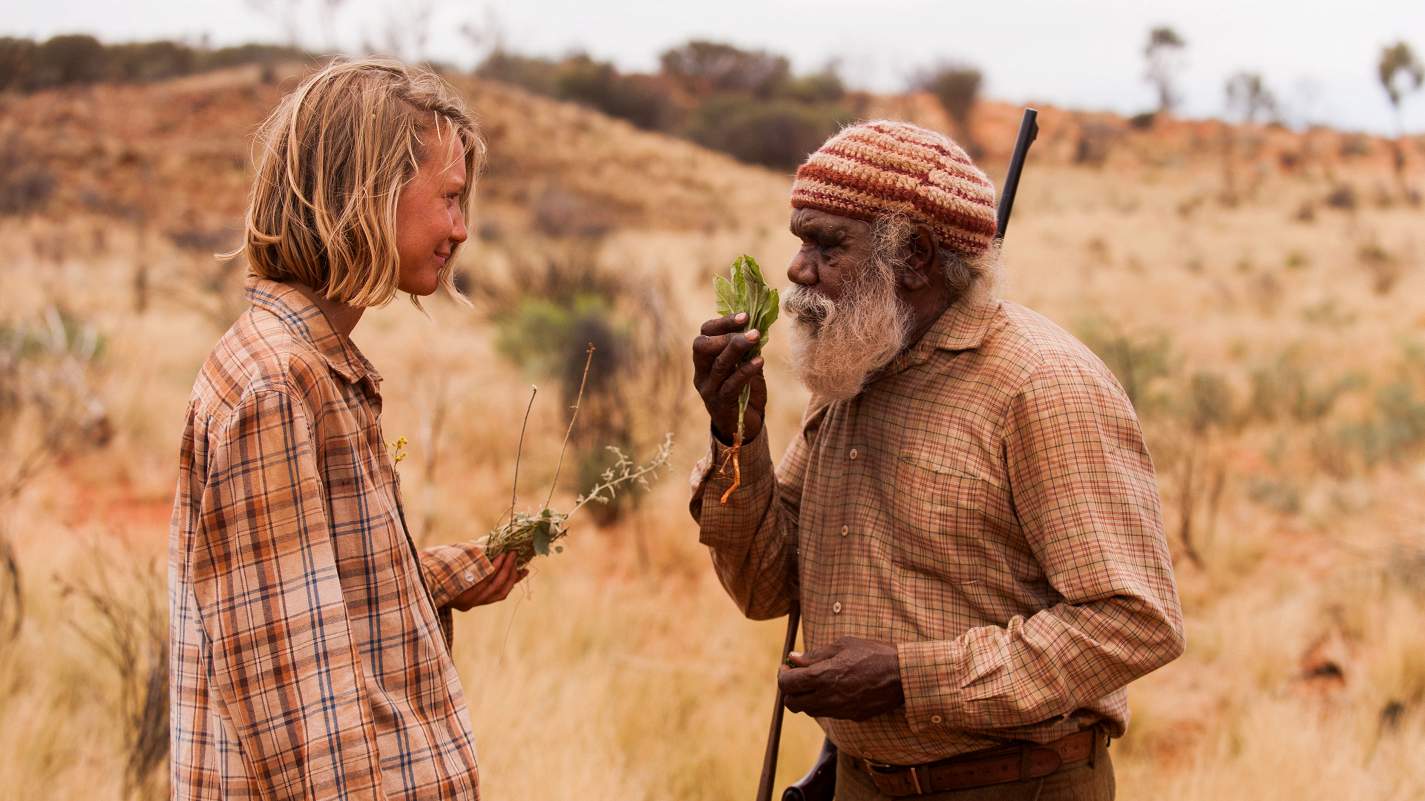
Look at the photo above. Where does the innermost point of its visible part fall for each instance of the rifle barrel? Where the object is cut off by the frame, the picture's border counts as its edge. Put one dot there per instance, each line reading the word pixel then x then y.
pixel 1028 131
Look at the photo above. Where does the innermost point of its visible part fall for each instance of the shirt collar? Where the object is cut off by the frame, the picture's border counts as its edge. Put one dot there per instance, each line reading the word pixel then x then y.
pixel 305 319
pixel 962 326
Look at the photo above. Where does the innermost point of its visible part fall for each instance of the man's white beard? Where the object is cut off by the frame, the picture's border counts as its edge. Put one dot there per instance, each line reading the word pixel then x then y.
pixel 837 345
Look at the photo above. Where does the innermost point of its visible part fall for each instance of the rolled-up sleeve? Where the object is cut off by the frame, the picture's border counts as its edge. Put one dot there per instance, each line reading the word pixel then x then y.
pixel 450 570
pixel 752 537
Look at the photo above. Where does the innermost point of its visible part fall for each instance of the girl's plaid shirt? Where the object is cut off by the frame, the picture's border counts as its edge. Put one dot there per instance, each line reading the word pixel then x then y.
pixel 310 655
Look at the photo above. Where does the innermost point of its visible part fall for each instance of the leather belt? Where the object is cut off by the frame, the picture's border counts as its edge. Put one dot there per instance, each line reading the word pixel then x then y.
pixel 983 768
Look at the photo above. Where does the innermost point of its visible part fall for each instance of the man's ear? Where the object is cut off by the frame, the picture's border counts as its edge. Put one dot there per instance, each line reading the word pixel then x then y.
pixel 922 254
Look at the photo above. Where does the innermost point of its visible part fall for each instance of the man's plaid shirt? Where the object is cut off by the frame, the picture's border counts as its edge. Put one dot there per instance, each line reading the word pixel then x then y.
pixel 309 658
pixel 988 505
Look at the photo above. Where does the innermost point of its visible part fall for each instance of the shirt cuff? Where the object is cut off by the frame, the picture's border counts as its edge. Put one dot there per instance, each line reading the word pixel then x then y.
pixel 928 680
pixel 450 570
pixel 737 520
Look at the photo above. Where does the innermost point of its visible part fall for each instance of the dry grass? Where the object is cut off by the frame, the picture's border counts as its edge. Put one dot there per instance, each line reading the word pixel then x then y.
pixel 622 671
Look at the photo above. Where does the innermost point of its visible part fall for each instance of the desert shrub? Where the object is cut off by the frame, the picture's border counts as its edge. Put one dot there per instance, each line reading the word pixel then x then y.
pixel 546 313
pixel 1095 142
pixel 1393 430
pixel 69 59
pixel 148 61
pixel 1141 362
pixel 17 63
pixel 1209 403
pixel 212 283
pixel 1342 197
pixel 1278 494
pixel 538 75
pixel 956 86
pixel 28 66
pixel 124 619
pixel 1390 430
pixel 640 99
pixel 1285 388
pixel 1143 121
pixel 823 86
pixel 777 133
pixel 1384 268
pixel 26 184
pixel 239 55
pixel 50 408
pixel 558 212
pixel 703 68
pixel 1355 146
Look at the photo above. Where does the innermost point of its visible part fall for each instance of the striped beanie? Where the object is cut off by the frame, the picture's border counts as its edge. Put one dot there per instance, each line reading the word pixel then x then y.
pixel 886 167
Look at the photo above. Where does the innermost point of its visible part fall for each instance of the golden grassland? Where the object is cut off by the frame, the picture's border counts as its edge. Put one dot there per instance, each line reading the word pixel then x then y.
pixel 619 669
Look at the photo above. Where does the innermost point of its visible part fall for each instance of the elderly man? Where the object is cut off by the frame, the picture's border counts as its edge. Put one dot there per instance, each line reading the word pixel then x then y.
pixel 968 515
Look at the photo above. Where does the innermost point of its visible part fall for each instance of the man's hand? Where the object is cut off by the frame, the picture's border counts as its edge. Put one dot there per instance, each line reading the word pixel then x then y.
pixel 851 679
pixel 492 588
pixel 719 376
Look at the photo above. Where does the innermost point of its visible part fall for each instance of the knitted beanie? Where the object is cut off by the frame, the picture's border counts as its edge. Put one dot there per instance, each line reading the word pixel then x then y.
pixel 887 167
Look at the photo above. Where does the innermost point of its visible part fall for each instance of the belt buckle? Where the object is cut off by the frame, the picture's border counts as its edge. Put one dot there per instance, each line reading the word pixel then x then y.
pixel 884 768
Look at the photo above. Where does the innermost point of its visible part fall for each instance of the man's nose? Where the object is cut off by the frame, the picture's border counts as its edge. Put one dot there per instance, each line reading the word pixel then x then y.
pixel 802 270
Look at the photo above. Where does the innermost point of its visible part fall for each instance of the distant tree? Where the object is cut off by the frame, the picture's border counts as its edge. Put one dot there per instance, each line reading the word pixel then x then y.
pixel 137 62
pixel 702 68
pixel 63 60
pixel 533 73
pixel 17 63
pixel 957 86
pixel 822 86
pixel 1400 73
pixel 1249 99
pixel 776 133
pixel 1164 55
pixel 641 99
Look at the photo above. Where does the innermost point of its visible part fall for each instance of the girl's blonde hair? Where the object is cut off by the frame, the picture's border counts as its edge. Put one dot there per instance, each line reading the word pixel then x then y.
pixel 332 161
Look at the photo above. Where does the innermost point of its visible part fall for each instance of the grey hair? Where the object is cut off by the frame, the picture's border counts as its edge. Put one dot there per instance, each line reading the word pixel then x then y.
pixel 890 233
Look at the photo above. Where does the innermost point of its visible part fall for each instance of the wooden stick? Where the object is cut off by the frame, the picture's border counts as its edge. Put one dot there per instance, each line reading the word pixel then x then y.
pixel 774 737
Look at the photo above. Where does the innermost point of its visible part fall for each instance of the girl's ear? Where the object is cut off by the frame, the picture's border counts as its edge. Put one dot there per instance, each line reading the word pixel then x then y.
pixel 921 255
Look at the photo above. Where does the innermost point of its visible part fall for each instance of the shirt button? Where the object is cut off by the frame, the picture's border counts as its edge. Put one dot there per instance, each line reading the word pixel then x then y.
pixel 936 719
pixel 469 576
pixel 845 530
pixel 854 453
pixel 836 607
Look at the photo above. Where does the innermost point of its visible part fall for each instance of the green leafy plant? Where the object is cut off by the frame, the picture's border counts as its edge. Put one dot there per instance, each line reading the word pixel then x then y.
pixel 745 291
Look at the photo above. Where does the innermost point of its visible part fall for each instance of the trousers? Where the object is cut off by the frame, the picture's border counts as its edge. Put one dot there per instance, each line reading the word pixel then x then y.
pixel 1085 781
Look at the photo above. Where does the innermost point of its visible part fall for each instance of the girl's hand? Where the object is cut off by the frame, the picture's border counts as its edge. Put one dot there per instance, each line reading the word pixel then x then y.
pixel 494 587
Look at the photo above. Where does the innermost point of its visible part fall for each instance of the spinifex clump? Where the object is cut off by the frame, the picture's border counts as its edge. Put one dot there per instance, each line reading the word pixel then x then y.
pixel 746 291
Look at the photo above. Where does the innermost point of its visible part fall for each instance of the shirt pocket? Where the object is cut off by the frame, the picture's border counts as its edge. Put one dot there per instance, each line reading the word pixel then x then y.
pixel 938 519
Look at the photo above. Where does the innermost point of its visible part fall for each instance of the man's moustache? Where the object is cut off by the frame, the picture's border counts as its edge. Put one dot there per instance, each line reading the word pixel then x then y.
pixel 807 305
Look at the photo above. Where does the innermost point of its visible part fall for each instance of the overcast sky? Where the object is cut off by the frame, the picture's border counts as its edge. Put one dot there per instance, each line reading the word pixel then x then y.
pixel 1319 58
